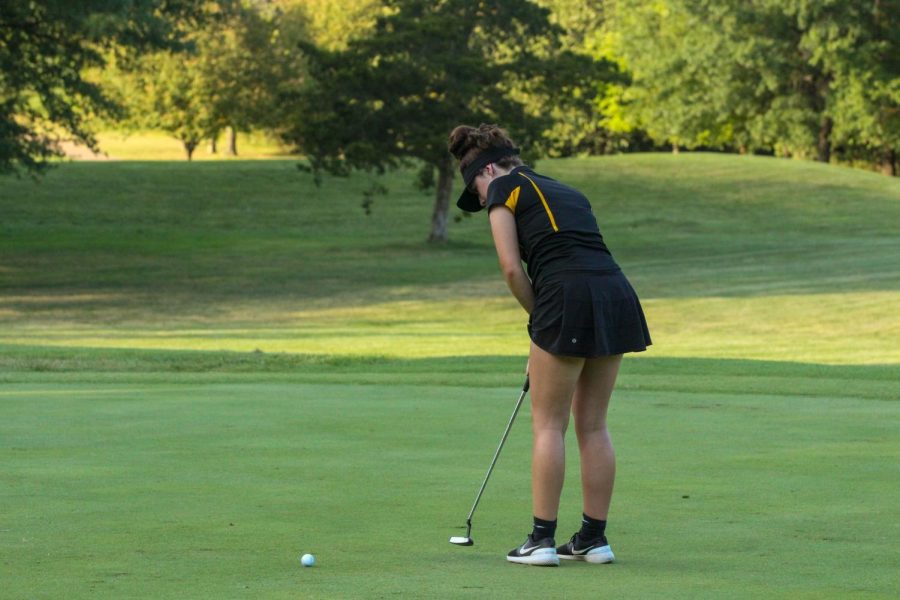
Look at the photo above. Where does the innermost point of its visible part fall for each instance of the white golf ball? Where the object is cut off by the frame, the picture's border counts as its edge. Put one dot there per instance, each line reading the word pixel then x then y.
pixel 308 560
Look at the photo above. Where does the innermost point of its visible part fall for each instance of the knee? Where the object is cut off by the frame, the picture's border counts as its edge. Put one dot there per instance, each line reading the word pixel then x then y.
pixel 590 429
pixel 549 424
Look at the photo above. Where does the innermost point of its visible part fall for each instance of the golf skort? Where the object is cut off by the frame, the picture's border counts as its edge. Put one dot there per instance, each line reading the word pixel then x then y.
pixel 588 314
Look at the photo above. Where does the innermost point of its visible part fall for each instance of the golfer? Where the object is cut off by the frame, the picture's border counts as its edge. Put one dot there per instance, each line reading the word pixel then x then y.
pixel 583 316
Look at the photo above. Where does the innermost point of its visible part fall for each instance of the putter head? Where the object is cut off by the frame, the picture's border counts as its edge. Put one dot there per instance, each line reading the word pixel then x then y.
pixel 461 541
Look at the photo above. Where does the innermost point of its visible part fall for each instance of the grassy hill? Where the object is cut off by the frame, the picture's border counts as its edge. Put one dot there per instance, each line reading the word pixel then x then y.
pixel 737 257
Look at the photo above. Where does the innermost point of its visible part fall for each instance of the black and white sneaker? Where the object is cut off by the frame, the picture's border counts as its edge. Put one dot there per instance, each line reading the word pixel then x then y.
pixel 592 551
pixel 541 552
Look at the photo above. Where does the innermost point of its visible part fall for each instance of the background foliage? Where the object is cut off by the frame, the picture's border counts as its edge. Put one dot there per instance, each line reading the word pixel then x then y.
pixel 814 79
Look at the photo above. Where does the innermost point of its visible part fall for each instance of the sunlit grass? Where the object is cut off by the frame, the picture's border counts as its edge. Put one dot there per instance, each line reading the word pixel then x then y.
pixel 856 328
pixel 157 145
pixel 734 257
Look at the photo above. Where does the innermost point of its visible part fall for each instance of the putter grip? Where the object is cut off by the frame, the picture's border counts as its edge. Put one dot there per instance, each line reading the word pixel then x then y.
pixel 527 384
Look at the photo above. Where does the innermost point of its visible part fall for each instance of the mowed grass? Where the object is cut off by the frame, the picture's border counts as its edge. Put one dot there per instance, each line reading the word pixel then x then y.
pixel 207 370
pixel 735 257
pixel 176 487
pixel 157 145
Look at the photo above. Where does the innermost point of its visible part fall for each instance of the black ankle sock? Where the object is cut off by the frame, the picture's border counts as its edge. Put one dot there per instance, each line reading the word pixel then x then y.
pixel 543 529
pixel 591 528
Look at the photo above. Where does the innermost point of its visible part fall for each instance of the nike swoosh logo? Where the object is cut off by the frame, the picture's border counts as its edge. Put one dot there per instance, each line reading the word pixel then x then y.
pixel 574 551
pixel 524 550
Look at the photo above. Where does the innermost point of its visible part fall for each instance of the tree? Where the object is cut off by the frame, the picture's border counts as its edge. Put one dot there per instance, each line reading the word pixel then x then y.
pixel 866 87
pixel 229 75
pixel 782 75
pixel 867 125
pixel 581 119
pixel 796 38
pixel 46 45
pixel 169 95
pixel 392 98
pixel 829 68
pixel 244 60
pixel 676 61
pixel 331 24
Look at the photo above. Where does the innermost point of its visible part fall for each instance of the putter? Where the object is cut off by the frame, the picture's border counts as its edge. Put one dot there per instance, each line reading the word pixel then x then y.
pixel 467 540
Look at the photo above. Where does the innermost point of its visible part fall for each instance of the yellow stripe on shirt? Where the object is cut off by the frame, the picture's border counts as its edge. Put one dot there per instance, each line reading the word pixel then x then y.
pixel 513 199
pixel 543 200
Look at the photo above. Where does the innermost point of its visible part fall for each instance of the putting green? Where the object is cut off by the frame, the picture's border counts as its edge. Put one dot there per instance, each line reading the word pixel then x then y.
pixel 215 490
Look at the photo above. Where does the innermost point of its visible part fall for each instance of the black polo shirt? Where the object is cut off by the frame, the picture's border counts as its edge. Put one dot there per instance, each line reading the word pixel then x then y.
pixel 556 227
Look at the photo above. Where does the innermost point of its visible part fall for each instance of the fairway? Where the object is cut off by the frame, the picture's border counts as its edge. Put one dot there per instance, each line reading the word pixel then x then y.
pixel 208 370
pixel 214 490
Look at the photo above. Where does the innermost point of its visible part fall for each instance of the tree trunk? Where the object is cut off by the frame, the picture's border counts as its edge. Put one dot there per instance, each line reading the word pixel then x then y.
pixel 440 215
pixel 674 148
pixel 824 146
pixel 889 161
pixel 231 134
pixel 820 85
pixel 212 145
pixel 189 146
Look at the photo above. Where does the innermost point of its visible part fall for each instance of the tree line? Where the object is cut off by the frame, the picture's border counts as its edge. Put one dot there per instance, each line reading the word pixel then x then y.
pixel 374 84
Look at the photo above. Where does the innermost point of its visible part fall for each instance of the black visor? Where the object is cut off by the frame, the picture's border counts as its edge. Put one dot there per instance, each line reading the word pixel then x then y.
pixel 468 200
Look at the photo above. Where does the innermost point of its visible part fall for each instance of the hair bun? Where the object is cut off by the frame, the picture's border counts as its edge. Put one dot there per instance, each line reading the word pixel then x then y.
pixel 461 140
pixel 464 139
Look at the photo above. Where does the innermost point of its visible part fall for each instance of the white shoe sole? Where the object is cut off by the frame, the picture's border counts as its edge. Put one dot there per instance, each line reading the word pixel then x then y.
pixel 597 556
pixel 544 558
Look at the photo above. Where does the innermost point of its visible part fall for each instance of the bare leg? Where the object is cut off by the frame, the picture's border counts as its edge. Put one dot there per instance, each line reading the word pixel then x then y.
pixel 598 459
pixel 553 381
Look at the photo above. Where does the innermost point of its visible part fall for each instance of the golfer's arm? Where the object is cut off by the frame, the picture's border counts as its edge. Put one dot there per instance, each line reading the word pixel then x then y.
pixel 506 240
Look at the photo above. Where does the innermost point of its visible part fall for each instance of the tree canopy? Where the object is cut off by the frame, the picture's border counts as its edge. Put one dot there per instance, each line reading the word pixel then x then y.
pixel 794 77
pixel 230 74
pixel 387 79
pixel 392 97
pixel 45 47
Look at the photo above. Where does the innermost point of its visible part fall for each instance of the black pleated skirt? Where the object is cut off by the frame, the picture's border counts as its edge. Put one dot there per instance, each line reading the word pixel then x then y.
pixel 588 314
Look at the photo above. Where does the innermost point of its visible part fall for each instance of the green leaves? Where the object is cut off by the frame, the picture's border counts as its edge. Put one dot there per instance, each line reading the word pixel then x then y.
pixel 393 96
pixel 428 66
pixel 800 78
pixel 46 45
pixel 230 73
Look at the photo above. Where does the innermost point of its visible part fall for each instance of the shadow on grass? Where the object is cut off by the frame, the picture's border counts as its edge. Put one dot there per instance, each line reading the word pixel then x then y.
pixel 31 364
pixel 196 237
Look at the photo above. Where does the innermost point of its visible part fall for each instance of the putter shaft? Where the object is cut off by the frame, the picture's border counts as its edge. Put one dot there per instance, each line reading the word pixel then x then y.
pixel 496 455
